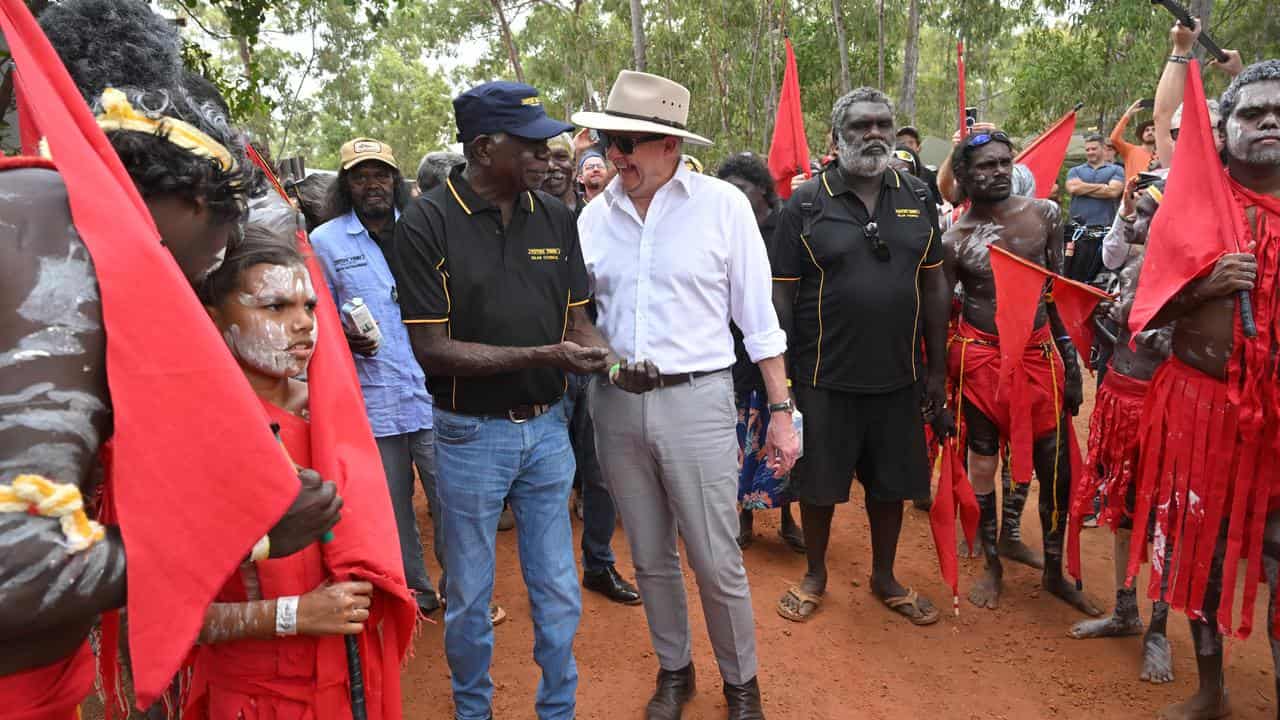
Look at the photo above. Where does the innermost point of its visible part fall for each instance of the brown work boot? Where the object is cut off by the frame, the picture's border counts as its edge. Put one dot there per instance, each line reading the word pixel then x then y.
pixel 675 687
pixel 744 700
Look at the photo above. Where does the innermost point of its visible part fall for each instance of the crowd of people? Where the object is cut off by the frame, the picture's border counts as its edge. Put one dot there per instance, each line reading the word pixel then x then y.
pixel 572 317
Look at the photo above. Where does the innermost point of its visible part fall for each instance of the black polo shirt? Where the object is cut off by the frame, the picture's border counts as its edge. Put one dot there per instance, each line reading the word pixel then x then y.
pixel 857 320
pixel 456 264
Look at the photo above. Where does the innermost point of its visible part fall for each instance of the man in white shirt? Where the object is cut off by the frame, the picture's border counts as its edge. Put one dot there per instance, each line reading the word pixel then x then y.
pixel 673 256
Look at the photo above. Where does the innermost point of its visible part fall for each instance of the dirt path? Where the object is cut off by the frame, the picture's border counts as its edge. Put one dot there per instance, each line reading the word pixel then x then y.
pixel 855 659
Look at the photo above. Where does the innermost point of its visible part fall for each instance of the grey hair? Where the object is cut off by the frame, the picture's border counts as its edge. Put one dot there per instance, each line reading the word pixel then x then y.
pixel 436 166
pixel 1215 115
pixel 862 94
pixel 1257 72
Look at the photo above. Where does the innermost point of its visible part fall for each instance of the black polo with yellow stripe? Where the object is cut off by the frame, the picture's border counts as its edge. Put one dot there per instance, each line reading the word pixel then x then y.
pixel 856 321
pixel 455 264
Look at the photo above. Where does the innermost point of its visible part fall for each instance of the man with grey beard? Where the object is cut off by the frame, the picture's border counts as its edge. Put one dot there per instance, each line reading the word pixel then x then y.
pixel 858 278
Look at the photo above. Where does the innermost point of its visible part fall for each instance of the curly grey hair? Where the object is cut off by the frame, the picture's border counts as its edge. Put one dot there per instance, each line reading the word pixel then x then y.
pixel 435 167
pixel 862 94
pixel 1257 72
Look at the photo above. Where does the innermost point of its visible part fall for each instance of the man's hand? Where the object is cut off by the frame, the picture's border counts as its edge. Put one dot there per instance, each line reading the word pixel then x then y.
pixel 1129 203
pixel 572 357
pixel 313 513
pixel 1184 38
pixel 637 377
pixel 943 424
pixel 1133 108
pixel 1074 394
pixel 1234 64
pixel 975 129
pixel 360 344
pixel 1232 273
pixel 335 609
pixel 935 396
pixel 781 445
pixel 797 181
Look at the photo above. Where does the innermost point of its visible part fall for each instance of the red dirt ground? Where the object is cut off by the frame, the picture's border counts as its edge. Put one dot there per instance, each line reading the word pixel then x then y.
pixel 856 660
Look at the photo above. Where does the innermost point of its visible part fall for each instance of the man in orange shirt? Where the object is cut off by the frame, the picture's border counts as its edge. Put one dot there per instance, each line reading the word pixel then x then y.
pixel 1137 158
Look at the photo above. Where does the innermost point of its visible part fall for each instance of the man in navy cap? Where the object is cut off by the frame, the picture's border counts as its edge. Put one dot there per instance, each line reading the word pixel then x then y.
pixel 493 291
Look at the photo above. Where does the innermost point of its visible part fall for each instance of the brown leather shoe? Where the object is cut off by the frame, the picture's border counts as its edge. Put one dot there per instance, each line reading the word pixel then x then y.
pixel 744 700
pixel 675 687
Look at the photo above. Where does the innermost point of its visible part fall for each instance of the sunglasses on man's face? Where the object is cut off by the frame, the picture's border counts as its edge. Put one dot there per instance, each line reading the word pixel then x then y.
pixel 626 144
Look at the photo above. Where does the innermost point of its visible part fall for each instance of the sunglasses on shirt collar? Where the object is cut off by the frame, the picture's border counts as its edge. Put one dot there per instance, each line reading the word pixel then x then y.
pixel 626 144
pixel 878 246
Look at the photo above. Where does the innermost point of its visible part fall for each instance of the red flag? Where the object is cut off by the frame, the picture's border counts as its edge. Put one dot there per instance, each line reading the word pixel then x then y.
pixel 198 476
pixel 365 545
pixel 1198 222
pixel 955 497
pixel 960 89
pixel 1076 302
pixel 789 151
pixel 1044 156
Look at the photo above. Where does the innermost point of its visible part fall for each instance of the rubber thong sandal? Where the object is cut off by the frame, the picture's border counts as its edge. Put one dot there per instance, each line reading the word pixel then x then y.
pixel 909 607
pixel 801 599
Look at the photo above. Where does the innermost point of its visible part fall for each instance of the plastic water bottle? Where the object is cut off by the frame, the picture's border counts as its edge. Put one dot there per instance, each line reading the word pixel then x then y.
pixel 797 422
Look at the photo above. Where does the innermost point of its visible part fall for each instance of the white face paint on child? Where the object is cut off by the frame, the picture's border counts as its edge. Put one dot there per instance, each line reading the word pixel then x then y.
pixel 269 322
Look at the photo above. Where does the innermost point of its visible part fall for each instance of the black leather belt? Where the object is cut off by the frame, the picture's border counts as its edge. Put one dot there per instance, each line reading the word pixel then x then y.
pixel 517 414
pixel 683 378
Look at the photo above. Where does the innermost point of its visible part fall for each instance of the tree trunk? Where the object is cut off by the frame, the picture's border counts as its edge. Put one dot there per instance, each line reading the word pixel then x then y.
pixel 637 35
pixel 513 53
pixel 880 48
pixel 910 65
pixel 837 15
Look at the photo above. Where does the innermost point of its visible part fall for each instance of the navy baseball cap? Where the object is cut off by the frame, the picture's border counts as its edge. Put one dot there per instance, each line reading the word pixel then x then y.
pixel 507 107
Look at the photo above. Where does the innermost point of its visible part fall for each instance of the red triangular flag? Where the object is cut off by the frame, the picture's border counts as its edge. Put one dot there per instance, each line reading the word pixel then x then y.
pixel 1198 222
pixel 1045 155
pixel 789 151
pixel 1076 302
pixel 197 477
pixel 954 497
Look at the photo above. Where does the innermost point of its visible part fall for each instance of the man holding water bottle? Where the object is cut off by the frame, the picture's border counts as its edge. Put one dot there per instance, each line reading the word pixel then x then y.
pixel 858 283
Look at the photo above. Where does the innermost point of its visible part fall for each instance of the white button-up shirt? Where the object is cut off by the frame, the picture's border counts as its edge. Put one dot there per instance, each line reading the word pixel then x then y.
pixel 667 286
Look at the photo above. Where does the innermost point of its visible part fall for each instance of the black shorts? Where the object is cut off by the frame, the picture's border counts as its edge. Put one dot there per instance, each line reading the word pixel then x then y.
pixel 880 437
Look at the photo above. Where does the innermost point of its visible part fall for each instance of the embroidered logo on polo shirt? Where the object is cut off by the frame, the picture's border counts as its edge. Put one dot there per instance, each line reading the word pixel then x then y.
pixel 550 254
pixel 907 212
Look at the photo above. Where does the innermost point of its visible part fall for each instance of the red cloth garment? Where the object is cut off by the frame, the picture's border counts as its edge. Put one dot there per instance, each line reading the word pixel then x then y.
pixel 1202 476
pixel 955 497
pixel 789 149
pixel 1045 155
pixel 365 545
pixel 291 678
pixel 52 692
pixel 185 418
pixel 1113 447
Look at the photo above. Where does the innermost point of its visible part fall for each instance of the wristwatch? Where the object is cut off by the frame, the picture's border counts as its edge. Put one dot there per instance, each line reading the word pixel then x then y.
pixel 785 406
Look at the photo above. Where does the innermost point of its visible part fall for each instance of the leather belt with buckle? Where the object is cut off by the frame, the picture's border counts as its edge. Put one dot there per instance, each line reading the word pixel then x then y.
pixel 683 378
pixel 525 413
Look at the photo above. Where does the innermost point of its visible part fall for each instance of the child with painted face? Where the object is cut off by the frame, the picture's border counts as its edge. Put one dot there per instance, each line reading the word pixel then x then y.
pixel 262 301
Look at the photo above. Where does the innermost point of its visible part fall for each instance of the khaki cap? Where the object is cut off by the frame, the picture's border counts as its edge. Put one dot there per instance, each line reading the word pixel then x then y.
pixel 357 151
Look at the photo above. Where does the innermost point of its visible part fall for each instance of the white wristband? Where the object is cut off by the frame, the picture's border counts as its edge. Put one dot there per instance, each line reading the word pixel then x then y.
pixel 261 549
pixel 287 616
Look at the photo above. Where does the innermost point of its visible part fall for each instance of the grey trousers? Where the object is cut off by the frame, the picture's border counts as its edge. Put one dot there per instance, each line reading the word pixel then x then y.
pixel 670 459
pixel 400 454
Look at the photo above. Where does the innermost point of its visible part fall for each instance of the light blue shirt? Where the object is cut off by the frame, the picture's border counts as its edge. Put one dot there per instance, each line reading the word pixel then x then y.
pixel 394 386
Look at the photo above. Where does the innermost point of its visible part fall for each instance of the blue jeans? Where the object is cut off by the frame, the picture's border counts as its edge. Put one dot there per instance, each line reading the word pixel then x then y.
pixel 599 518
pixel 481 461
pixel 400 454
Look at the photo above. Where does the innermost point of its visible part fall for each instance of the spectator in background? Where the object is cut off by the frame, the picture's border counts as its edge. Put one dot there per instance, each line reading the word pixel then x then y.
pixel 908 137
pixel 593 174
pixel 435 167
pixel 1109 154
pixel 758 487
pixel 1137 158
pixel 559 182
pixel 1095 188
pixel 352 249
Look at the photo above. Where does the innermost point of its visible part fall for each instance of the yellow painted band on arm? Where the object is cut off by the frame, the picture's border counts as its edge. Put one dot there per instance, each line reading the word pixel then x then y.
pixel 46 498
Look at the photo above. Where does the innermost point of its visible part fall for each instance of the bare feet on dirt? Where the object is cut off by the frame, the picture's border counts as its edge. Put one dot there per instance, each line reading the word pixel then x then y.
pixel 1109 626
pixel 1157 659
pixel 1017 551
pixel 1066 591
pixel 986 592
pixel 1200 706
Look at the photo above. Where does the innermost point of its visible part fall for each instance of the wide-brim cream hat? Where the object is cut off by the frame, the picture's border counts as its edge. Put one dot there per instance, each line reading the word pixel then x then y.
pixel 644 103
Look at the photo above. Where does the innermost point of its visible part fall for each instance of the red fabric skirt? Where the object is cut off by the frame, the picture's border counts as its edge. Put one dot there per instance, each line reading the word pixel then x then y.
pixel 1113 445
pixel 52 692
pixel 1201 477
